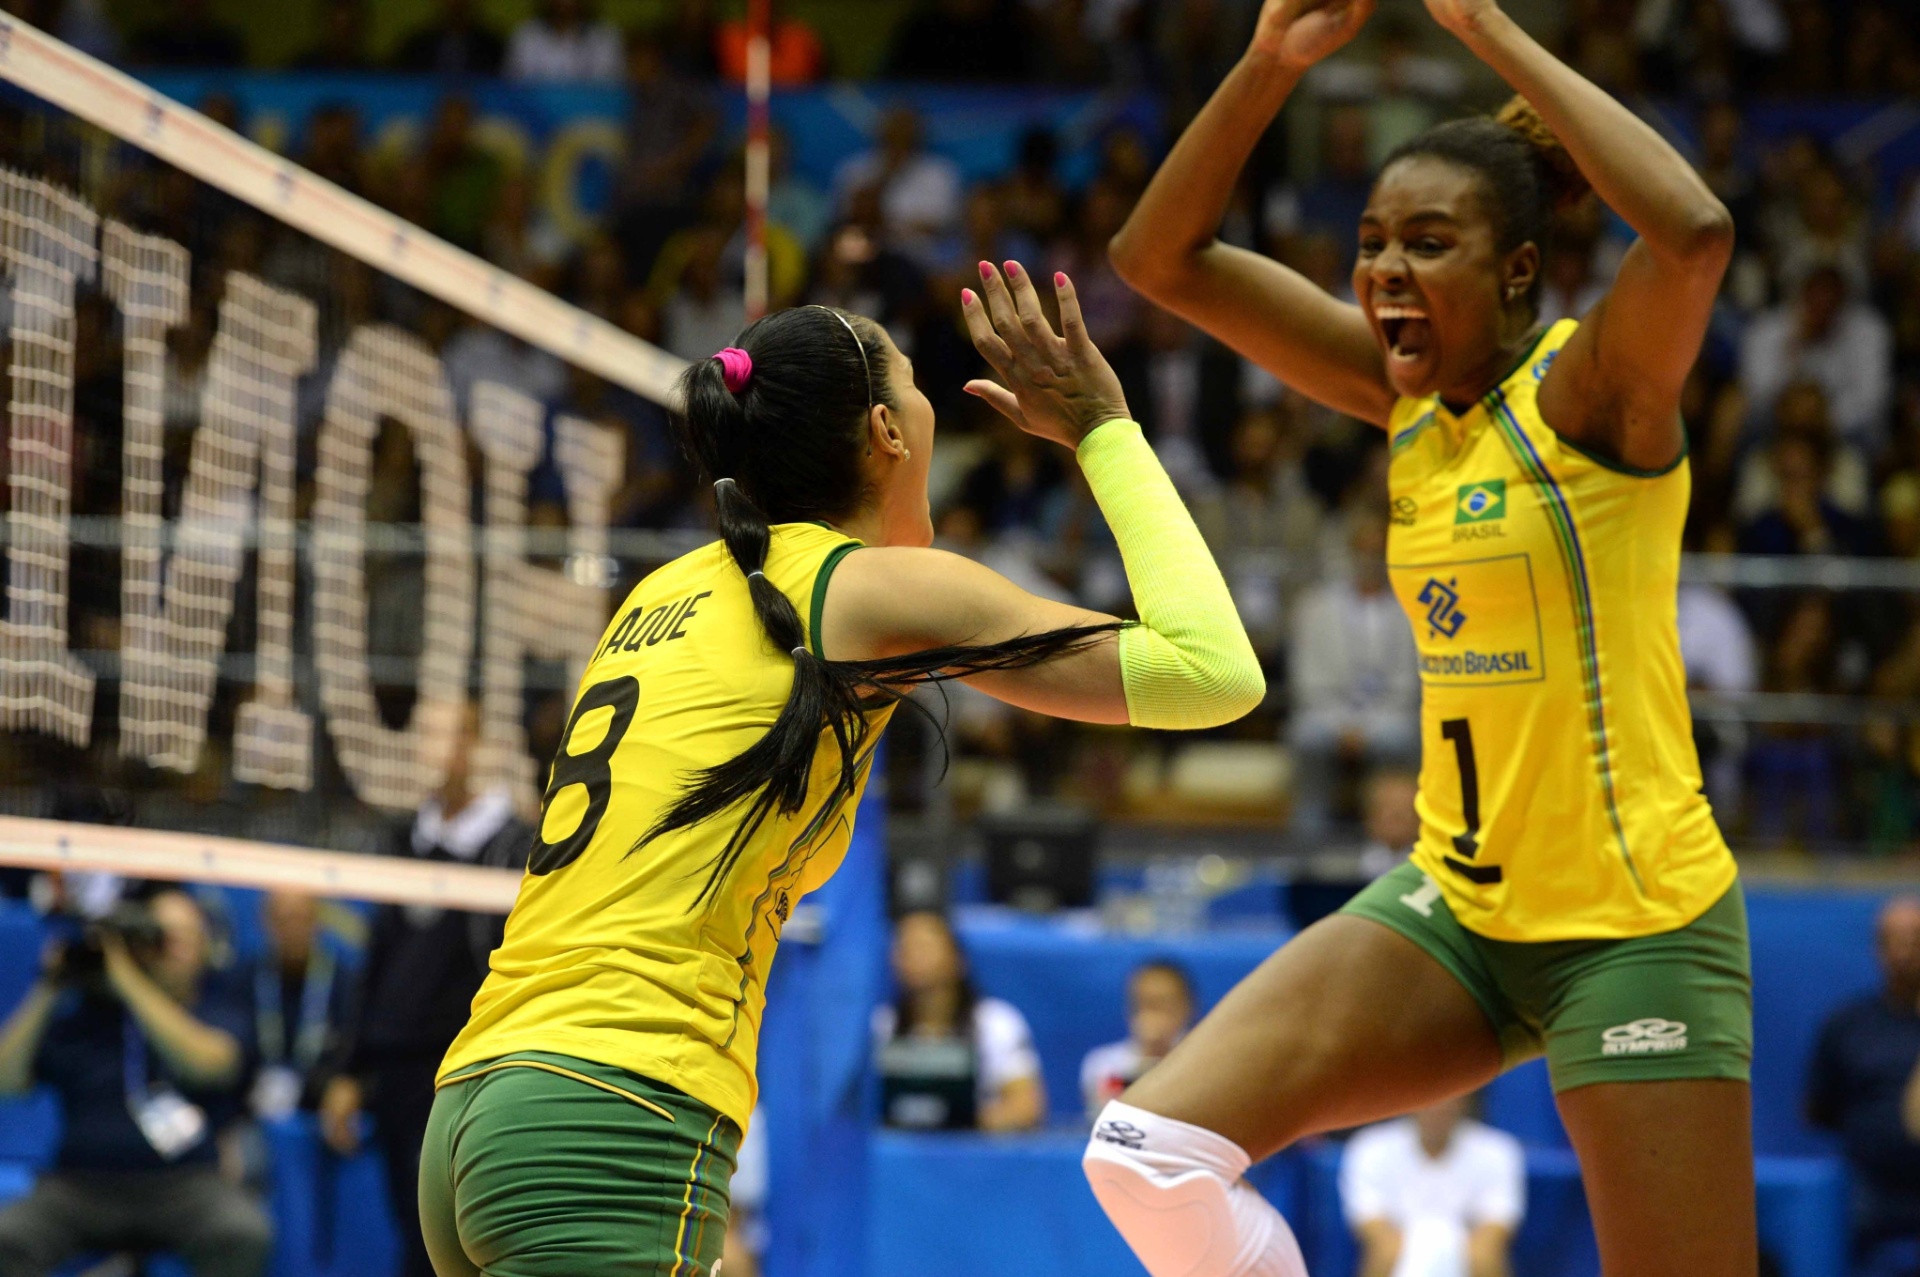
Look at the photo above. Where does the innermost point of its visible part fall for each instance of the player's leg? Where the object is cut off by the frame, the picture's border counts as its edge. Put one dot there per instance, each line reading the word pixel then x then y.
pixel 1347 1024
pixel 1651 1044
pixel 1668 1168
pixel 1365 1015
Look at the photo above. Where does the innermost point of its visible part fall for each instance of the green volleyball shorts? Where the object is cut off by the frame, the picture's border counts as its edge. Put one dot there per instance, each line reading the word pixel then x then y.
pixel 1666 1007
pixel 539 1165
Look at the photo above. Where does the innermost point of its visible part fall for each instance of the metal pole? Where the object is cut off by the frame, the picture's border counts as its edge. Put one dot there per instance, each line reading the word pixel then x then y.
pixel 759 85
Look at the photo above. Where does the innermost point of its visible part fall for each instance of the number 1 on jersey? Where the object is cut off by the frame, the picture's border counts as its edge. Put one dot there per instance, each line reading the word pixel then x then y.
pixel 1467 843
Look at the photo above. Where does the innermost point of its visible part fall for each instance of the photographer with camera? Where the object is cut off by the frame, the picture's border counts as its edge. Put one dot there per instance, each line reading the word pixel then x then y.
pixel 146 1050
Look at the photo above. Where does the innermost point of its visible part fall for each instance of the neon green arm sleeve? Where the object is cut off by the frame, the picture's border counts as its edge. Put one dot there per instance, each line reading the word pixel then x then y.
pixel 1189 662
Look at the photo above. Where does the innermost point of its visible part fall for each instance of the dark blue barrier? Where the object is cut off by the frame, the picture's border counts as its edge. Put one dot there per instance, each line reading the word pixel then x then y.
pixel 1812 950
pixel 963 1205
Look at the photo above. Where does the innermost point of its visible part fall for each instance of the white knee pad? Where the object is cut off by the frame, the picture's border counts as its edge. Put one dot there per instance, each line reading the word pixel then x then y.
pixel 1175 1192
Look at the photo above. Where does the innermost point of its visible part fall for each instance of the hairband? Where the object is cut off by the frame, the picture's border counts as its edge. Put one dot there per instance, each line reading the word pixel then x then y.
pixel 858 345
pixel 736 365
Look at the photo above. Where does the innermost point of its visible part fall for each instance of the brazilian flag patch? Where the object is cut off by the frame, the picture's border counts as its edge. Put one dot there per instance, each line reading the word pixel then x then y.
pixel 1481 502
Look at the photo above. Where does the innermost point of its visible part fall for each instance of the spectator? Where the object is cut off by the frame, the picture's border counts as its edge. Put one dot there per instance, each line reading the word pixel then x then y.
pixel 948 1057
pixel 299 997
pixel 187 36
pixel 1802 410
pixel 333 146
pixel 919 191
pixel 862 272
pixel 1390 819
pixel 1332 202
pixel 1264 509
pixel 796 54
pixel 1434 1195
pixel 1718 650
pixel 343 39
pixel 793 201
pixel 1572 282
pixel 1794 766
pixel 1803 519
pixel 671 123
pixel 1011 485
pixel 960 40
pixel 1826 336
pixel 1160 1008
pixel 423 967
pixel 563 43
pixel 1861 1064
pixel 1037 202
pixel 1354 678
pixel 456 44
pixel 146 1049
pixel 463 178
pixel 1822 226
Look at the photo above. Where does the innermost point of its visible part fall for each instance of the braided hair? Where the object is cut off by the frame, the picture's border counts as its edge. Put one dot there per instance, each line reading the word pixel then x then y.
pixel 784 444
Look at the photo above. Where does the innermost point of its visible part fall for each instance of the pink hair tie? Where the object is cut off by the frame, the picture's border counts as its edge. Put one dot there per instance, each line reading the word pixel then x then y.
pixel 736 365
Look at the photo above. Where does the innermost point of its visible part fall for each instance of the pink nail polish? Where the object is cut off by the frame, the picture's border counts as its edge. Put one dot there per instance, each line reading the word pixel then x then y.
pixel 1059 279
pixel 986 270
pixel 1013 270
pixel 966 297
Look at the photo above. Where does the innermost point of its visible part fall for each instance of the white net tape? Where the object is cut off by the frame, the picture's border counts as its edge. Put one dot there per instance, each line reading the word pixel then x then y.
pixel 60 845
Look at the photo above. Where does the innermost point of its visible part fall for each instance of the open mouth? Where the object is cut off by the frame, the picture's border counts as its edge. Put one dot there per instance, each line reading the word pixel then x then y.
pixel 1407 329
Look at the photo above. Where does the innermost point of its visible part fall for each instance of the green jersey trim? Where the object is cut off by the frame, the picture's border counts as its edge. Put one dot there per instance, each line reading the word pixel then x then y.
pixel 1560 515
pixel 819 607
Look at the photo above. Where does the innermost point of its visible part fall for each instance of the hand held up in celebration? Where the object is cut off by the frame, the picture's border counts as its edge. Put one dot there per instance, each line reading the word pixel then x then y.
pixel 1057 386
pixel 1298 33
pixel 1462 17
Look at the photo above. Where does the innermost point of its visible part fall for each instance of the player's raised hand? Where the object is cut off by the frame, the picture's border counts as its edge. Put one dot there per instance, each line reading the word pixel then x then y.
pixel 1298 33
pixel 1054 385
pixel 1462 17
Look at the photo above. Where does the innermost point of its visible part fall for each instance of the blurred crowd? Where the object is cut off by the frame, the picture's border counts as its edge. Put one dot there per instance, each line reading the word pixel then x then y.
pixel 1803 414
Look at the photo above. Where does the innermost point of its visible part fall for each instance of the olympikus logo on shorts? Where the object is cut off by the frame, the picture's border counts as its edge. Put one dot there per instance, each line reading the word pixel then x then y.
pixel 1125 1134
pixel 1644 1037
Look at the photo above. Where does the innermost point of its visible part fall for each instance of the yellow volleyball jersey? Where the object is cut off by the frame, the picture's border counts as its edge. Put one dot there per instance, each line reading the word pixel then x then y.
pixel 1560 792
pixel 607 955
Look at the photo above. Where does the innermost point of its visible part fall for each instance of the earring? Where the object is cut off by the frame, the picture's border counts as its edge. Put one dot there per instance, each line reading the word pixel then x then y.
pixel 906 454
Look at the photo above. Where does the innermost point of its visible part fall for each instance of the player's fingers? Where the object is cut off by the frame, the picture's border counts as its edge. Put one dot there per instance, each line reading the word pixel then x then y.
pixel 1026 303
pixel 1073 325
pixel 985 339
pixel 999 305
pixel 999 396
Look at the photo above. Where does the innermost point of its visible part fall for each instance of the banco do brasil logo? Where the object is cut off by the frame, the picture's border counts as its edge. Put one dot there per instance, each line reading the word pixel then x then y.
pixel 1481 502
pixel 1443 606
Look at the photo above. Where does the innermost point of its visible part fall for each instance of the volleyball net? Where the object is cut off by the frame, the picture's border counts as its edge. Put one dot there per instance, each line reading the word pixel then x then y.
pixel 289 474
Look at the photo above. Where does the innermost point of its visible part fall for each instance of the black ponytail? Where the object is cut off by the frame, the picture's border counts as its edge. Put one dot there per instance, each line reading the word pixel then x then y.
pixel 787 448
